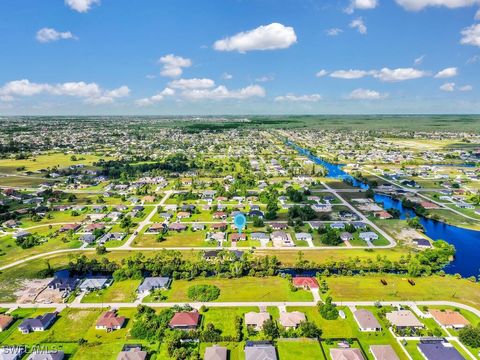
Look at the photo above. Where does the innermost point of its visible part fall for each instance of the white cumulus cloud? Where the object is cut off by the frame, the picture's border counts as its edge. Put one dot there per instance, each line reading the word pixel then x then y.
pixel 361 5
pixel 91 92
pixel 471 35
pixel 222 93
pixel 465 88
pixel 46 35
pixel 81 5
pixel 155 98
pixel 416 5
pixel 172 65
pixel 266 37
pixel 365 94
pixel 192 83
pixel 321 73
pixel 448 87
pixel 447 73
pixel 359 25
pixel 400 74
pixel 334 31
pixel 299 98
pixel 349 74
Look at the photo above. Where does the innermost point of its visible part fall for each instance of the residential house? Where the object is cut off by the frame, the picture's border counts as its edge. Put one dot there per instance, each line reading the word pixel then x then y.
pixel 183 215
pixel 110 321
pixel 157 227
pixel 281 238
pixel 303 236
pixel 219 226
pixel 152 283
pixel 449 318
pixel 358 225
pixel 259 236
pixel 220 215
pixel 198 227
pixel 346 354
pixel 403 319
pixel 337 226
pixel 368 236
pixel 21 235
pixel 177 227
pixel 12 352
pixel 63 283
pixel 291 320
pixel 383 215
pixel 438 350
pixel 366 320
pixel 95 283
pixel 238 237
pixel 88 238
pixel 132 353
pixel 40 323
pixel 346 236
pixel 185 320
pixel 256 320
pixel 215 352
pixel 5 321
pixel 278 226
pixel 255 213
pixel 304 282
pixel 47 355
pixel 383 352
pixel 423 243
pixel 260 351
pixel 70 227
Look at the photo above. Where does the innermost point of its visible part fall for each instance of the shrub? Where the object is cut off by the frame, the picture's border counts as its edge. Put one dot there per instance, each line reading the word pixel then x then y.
pixel 203 292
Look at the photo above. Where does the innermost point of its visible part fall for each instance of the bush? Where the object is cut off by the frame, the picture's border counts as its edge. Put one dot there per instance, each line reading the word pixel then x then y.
pixel 470 336
pixel 203 292
pixel 328 310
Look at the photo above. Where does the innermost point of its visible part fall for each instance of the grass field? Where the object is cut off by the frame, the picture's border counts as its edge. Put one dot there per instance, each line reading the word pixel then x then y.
pixel 242 289
pixel 119 291
pixel 9 166
pixel 447 288
pixel 305 349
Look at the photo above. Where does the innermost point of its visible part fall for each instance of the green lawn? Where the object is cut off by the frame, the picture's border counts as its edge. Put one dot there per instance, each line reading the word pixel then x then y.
pixel 305 349
pixel 448 288
pixel 119 291
pixel 242 289
pixel 224 318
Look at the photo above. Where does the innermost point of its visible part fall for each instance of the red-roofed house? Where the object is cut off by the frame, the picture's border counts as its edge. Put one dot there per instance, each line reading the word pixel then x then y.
pixel 110 321
pixel 185 320
pixel 70 227
pixel 429 205
pixel 305 282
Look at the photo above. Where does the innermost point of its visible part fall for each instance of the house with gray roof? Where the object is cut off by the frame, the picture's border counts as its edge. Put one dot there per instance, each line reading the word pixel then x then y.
pixel 366 320
pixel 95 283
pixel 438 350
pixel 260 351
pixel 152 283
pixel 40 323
pixel 47 355
pixel 215 352
pixel 11 352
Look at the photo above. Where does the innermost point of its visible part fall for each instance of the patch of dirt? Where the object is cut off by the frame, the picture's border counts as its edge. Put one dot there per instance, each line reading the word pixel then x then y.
pixel 30 289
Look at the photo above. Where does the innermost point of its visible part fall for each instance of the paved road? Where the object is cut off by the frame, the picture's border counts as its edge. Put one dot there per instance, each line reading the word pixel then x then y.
pixel 246 304
pixel 391 240
pixel 146 221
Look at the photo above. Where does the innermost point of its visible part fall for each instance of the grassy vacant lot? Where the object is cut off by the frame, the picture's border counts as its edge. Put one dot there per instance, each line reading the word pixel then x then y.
pixel 22 181
pixel 446 288
pixel 294 349
pixel 224 318
pixel 119 291
pixel 9 166
pixel 11 252
pixel 242 289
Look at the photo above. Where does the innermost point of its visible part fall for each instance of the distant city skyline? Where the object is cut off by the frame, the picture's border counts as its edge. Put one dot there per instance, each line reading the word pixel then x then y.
pixel 147 57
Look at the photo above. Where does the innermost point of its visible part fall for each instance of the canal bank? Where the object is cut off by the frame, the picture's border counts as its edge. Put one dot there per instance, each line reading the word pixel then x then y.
pixel 466 241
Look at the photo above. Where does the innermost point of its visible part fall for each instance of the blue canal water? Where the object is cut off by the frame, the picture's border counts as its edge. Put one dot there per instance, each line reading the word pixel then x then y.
pixel 466 242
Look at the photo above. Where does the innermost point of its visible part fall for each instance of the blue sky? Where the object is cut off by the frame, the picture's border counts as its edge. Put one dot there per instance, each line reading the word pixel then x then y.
pixel 239 56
